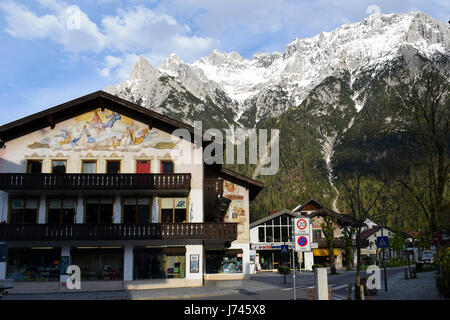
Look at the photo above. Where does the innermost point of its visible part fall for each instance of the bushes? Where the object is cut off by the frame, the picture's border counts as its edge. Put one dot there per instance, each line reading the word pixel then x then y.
pixel 284 269
pixel 314 266
pixel 442 260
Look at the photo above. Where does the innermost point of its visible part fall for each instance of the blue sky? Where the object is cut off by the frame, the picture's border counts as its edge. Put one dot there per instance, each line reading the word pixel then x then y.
pixel 53 51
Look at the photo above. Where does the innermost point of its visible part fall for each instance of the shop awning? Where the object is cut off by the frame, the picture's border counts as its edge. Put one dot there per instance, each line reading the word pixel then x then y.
pixel 323 252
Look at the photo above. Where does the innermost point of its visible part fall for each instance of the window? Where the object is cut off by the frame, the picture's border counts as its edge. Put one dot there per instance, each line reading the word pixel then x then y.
pixel 89 166
pixel 59 166
pixel 284 234
pixel 61 211
pixel 113 166
pixel 34 166
pixel 269 234
pixel 317 234
pixel 99 210
pixel 276 234
pixel 173 210
pixel 261 236
pixel 136 210
pixel 24 211
pixel 143 166
pixel 167 166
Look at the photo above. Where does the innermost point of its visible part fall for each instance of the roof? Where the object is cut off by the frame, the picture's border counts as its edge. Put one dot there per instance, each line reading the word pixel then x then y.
pixel 273 216
pixel 101 99
pixel 367 233
pixel 323 210
pixel 59 113
pixel 345 218
pixel 301 206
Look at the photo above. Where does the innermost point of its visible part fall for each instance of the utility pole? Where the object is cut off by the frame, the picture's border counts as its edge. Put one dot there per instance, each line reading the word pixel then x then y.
pixel 293 257
pixel 384 265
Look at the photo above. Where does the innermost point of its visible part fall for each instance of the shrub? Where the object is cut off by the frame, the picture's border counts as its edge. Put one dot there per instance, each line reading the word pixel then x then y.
pixel 442 260
pixel 284 269
pixel 314 266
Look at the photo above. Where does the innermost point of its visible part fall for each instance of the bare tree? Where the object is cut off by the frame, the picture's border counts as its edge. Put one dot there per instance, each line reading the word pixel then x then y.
pixel 423 115
pixel 362 197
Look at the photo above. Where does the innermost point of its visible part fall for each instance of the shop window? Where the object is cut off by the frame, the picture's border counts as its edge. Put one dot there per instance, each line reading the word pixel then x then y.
pixel 159 263
pixel 143 166
pixel 89 166
pixel 173 210
pixel 223 261
pixel 99 210
pixel 24 211
pixel 98 263
pixel 34 166
pixel 113 166
pixel 61 211
pixel 59 166
pixel 261 235
pixel 33 264
pixel 167 166
pixel 136 210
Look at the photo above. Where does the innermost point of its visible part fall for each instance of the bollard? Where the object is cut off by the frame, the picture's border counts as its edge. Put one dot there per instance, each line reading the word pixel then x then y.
pixel 406 274
pixel 321 288
pixel 349 295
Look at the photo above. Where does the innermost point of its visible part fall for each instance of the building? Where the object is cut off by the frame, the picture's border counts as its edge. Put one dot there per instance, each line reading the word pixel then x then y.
pixel 320 255
pixel 110 186
pixel 269 233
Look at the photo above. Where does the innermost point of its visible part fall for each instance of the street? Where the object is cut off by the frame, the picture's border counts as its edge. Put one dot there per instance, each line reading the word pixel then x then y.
pixel 263 286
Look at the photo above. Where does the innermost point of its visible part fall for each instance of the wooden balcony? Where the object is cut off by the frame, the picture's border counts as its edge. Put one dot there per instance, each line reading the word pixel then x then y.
pixel 152 231
pixel 179 183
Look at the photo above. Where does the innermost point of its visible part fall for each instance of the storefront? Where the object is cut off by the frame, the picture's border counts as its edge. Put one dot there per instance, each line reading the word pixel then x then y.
pixel 33 264
pixel 99 263
pixel 270 256
pixel 159 263
pixel 223 261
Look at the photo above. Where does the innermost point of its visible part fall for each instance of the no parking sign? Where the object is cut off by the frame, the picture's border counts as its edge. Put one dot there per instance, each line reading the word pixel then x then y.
pixel 302 230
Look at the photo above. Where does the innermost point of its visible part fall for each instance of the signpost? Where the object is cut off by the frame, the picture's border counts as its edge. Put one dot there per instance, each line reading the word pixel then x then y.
pixel 383 242
pixel 301 239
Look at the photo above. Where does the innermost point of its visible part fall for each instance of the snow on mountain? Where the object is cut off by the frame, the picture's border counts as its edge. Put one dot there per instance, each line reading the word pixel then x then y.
pixel 246 83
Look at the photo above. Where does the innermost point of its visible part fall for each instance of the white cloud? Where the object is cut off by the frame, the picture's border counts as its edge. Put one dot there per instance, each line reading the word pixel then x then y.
pixel 131 31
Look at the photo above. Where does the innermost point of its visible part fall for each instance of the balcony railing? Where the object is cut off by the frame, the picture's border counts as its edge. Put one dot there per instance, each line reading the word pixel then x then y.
pixel 338 243
pixel 152 231
pixel 88 181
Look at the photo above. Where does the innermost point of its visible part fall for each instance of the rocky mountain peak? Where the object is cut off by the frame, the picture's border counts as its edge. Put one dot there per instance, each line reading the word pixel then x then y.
pixel 143 70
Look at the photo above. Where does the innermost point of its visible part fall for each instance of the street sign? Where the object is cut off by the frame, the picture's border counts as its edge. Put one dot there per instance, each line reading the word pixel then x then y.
pixel 302 231
pixel 302 226
pixel 302 243
pixel 382 242
pixel 284 249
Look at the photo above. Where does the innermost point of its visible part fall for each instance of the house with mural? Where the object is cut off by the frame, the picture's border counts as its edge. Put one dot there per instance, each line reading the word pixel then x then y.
pixel 123 193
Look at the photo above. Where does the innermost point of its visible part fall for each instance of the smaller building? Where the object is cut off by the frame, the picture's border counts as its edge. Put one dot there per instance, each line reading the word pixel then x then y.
pixel 268 234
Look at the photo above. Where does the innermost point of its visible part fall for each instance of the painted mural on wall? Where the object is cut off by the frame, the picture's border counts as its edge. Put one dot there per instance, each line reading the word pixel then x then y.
pixel 236 211
pixel 103 130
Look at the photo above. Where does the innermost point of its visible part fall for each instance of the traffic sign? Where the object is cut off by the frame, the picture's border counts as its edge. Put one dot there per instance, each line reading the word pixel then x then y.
pixel 302 226
pixel 284 249
pixel 382 242
pixel 302 243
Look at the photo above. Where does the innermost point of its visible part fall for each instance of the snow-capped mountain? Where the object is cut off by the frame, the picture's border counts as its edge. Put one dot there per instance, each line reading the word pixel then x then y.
pixel 320 92
pixel 251 90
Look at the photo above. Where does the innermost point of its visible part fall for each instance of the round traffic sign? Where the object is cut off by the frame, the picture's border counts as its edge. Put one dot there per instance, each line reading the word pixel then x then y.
pixel 302 224
pixel 302 241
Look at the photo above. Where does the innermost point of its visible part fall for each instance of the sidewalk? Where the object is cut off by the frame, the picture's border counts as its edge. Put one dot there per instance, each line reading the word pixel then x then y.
pixel 421 288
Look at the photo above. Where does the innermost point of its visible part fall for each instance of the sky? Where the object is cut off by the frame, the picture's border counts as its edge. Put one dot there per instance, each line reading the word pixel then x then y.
pixel 53 51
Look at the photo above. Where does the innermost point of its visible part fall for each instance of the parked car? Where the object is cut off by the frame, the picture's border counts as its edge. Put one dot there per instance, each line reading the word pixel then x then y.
pixel 428 257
